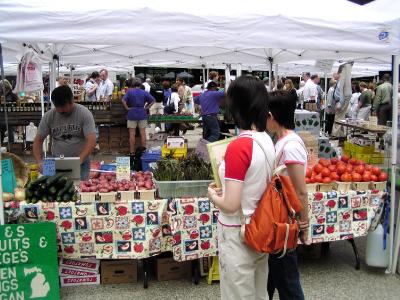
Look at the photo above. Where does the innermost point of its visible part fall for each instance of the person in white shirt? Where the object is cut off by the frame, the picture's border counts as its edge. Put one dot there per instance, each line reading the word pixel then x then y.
pixel 212 76
pixel 147 85
pixel 310 92
pixel 91 87
pixel 106 86
pixel 300 95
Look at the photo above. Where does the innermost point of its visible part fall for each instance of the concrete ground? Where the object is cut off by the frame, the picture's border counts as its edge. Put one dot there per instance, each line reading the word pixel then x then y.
pixel 330 277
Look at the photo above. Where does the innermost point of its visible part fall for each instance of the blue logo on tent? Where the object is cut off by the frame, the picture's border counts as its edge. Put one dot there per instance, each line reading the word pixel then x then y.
pixel 384 35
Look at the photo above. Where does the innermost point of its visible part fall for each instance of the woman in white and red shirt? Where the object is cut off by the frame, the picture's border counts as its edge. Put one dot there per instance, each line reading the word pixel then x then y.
pixel 291 152
pixel 244 174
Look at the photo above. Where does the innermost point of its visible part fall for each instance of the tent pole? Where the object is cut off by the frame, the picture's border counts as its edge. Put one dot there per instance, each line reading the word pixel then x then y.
pixel 6 120
pixel 239 70
pixel 204 78
pixel 270 59
pixel 276 76
pixel 394 243
pixel 326 96
pixel 227 76
pixel 133 71
pixel 207 72
pixel 4 95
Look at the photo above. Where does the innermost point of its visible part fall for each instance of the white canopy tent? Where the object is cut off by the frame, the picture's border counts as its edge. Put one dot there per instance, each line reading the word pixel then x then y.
pixel 157 32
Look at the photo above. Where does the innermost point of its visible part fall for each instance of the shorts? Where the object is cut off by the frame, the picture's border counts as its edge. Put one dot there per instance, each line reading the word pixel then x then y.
pixel 135 123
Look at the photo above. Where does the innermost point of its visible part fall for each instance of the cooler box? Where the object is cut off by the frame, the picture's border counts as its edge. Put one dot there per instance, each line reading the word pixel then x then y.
pixel 148 158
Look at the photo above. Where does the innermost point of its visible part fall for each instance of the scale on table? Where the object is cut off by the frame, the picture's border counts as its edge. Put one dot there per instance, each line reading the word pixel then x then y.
pixel 69 166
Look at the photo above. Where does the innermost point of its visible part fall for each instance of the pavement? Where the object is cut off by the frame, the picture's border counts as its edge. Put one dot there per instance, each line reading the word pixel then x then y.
pixel 322 277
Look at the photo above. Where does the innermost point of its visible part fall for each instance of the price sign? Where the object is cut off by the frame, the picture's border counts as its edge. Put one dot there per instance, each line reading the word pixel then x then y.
pixel 25 273
pixel 8 180
pixel 49 166
pixel 123 168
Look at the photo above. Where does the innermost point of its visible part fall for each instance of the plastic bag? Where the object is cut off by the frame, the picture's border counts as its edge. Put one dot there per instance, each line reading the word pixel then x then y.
pixel 29 75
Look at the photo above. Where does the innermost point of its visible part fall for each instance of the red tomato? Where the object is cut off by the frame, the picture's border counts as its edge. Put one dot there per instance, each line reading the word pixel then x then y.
pixel 346 177
pixel 356 177
pixel 325 172
pixel 345 158
pixel 349 169
pixel 324 162
pixel 374 178
pixel 383 176
pixel 334 161
pixel 360 162
pixel 307 180
pixel 326 180
pixel 340 169
pixel 366 177
pixel 368 167
pixel 318 178
pixel 309 172
pixel 352 161
pixel 334 176
pixel 312 179
pixel 332 168
pixel 360 169
pixel 318 168
pixel 376 171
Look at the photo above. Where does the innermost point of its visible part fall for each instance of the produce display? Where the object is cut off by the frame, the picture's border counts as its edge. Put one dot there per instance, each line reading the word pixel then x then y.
pixel 107 182
pixel 193 167
pixel 56 188
pixel 344 169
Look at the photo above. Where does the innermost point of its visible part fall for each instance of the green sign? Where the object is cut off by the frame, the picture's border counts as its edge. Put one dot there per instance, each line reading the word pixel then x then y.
pixel 28 262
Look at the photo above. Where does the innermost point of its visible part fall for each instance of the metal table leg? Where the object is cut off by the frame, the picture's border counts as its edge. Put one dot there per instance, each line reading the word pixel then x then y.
pixel 357 256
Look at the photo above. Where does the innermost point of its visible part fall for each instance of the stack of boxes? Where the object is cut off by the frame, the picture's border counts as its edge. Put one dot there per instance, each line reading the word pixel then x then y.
pixel 307 121
pixel 119 271
pixel 79 272
pixel 326 149
pixel 364 149
pixel 311 143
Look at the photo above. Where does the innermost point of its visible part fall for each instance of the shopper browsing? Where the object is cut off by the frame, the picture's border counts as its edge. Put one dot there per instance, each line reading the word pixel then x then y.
pixel 244 174
pixel 137 101
pixel 290 150
pixel 91 87
pixel 106 87
pixel 209 102
pixel 71 128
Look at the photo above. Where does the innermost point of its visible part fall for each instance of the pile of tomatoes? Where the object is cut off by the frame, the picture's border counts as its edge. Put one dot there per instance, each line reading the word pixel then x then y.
pixel 345 170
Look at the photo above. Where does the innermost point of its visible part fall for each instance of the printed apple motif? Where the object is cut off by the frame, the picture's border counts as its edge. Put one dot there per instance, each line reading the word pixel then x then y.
pixel 69 249
pixel 177 239
pixel 66 224
pixel 138 247
pixel 189 209
pixel 321 219
pixel 156 232
pixel 50 215
pixel 204 218
pixel 122 210
pixel 138 219
pixel 194 234
pixel 330 229
pixel 107 249
pixel 318 196
pixel 108 238
pixel 86 237
pixel 346 215
pixel 360 215
pixel 205 245
pixel 331 203
pixel 127 235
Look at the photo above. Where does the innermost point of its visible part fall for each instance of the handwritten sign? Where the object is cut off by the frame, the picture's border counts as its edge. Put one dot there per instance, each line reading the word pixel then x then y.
pixel 25 273
pixel 8 180
pixel 49 166
pixel 123 169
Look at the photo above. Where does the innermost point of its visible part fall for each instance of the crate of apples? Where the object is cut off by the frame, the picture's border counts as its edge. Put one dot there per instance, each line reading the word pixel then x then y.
pixel 144 180
pixel 344 169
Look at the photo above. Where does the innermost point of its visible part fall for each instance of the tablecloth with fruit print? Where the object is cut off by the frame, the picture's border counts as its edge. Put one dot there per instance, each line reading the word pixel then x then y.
pixel 133 229
pixel 342 215
pixel 187 227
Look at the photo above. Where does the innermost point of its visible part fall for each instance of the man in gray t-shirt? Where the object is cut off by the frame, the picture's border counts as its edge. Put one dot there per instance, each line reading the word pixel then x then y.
pixel 71 127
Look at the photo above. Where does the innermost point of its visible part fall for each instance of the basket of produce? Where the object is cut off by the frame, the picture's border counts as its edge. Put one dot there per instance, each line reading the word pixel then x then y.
pixel 188 177
pixel 20 168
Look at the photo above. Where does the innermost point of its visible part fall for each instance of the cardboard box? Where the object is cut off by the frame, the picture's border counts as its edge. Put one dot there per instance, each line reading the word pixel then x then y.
pixel 119 271
pixel 169 269
pixel 80 280
pixel 81 264
pixel 70 272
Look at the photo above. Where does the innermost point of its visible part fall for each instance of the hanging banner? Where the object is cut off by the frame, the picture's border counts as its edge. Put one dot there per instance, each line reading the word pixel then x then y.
pixel 25 272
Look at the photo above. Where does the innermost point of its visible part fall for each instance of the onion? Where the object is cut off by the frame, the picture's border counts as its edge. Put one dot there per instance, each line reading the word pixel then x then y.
pixel 7 197
pixel 19 194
